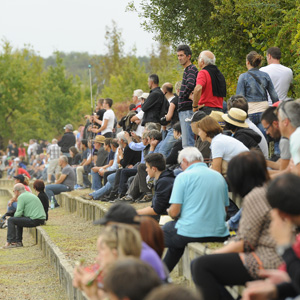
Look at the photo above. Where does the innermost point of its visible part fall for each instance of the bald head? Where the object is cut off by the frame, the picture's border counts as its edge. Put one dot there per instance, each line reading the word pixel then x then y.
pixel 19 188
pixel 167 88
pixel 206 58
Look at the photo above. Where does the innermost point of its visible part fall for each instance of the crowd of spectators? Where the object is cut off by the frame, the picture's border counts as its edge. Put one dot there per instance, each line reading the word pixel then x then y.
pixel 191 156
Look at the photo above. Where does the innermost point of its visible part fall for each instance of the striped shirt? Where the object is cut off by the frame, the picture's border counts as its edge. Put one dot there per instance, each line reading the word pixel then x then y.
pixel 187 86
pixel 54 151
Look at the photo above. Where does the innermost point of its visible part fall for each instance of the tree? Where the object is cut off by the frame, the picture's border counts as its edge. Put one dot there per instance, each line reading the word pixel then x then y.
pixel 229 28
pixel 20 77
pixel 60 97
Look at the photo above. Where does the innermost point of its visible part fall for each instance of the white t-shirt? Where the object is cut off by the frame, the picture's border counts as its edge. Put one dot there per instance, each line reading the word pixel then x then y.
pixel 263 145
pixel 140 129
pixel 110 116
pixel 226 147
pixel 295 146
pixel 281 77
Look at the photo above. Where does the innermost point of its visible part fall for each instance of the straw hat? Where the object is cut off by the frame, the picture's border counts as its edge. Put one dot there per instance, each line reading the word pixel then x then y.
pixel 236 117
pixel 217 115
pixel 99 139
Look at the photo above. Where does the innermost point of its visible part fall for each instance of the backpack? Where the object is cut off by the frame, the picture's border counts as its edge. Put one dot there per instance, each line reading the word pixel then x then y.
pixel 127 125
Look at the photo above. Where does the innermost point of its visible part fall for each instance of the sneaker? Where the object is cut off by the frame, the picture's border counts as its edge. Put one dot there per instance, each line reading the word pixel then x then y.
pixel 112 196
pixel 56 205
pixel 87 197
pixel 146 198
pixel 13 245
pixel 78 187
pixel 126 198
pixel 4 225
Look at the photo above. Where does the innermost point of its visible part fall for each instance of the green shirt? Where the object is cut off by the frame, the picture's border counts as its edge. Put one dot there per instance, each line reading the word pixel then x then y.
pixel 30 206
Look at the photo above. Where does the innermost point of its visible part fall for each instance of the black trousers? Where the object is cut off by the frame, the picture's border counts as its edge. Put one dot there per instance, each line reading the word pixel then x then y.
pixel 212 272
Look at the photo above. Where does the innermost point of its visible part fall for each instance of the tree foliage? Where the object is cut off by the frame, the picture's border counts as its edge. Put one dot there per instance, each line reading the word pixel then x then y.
pixel 229 28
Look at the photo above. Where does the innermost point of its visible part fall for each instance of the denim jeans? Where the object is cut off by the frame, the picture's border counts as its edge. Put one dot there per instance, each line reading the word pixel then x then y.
pixel 15 227
pixel 176 243
pixel 168 143
pixel 96 181
pixel 234 221
pixel 55 189
pixel 256 119
pixel 106 188
pixel 13 206
pixel 186 130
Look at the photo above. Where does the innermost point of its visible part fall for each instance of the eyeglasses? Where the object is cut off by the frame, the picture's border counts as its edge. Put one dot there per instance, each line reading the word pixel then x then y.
pixel 266 129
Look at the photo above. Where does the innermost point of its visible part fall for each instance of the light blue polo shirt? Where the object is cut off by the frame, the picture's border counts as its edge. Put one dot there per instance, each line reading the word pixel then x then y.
pixel 203 195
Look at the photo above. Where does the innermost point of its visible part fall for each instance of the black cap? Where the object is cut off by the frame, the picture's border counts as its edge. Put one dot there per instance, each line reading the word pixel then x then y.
pixel 197 116
pixel 20 177
pixel 121 213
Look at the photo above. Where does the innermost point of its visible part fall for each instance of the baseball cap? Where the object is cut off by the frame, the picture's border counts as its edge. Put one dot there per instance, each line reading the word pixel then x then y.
pixel 20 177
pixel 197 116
pixel 121 213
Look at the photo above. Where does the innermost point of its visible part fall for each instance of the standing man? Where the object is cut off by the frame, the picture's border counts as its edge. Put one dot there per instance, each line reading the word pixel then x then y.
pixel 30 213
pixel 68 140
pixel 153 104
pixel 136 99
pixel 54 153
pixel 210 86
pixel 281 76
pixel 185 109
pixel 65 182
pixel 108 122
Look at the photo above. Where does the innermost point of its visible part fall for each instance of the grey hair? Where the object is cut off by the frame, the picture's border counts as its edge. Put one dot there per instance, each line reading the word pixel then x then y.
pixel 20 188
pixel 291 111
pixel 64 158
pixel 150 126
pixel 207 61
pixel 190 154
pixel 121 136
pixel 54 141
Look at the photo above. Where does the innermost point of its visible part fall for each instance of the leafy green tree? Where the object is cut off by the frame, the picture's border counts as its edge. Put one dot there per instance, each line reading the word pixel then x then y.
pixel 229 28
pixel 60 97
pixel 20 77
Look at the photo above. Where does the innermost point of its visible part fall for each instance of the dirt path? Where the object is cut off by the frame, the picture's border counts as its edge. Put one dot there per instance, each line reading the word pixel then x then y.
pixel 24 272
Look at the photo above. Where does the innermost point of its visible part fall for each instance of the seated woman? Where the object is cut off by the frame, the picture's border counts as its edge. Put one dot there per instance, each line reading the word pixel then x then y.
pixel 253 248
pixel 235 122
pixel 75 155
pixel 115 242
pixel 39 187
pixel 223 147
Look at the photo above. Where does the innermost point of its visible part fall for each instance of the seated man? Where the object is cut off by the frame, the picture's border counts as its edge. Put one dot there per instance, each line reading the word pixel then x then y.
pixel 156 168
pixel 199 216
pixel 30 213
pixel 138 187
pixel 65 182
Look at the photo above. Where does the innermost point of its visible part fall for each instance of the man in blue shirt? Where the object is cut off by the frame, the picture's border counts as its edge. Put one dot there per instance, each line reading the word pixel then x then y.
pixel 198 202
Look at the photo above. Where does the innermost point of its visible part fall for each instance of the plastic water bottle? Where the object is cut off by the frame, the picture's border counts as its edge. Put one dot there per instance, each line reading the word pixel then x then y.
pixel 52 204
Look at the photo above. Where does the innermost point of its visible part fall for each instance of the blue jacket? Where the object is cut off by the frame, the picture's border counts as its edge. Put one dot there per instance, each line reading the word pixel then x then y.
pixel 252 90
